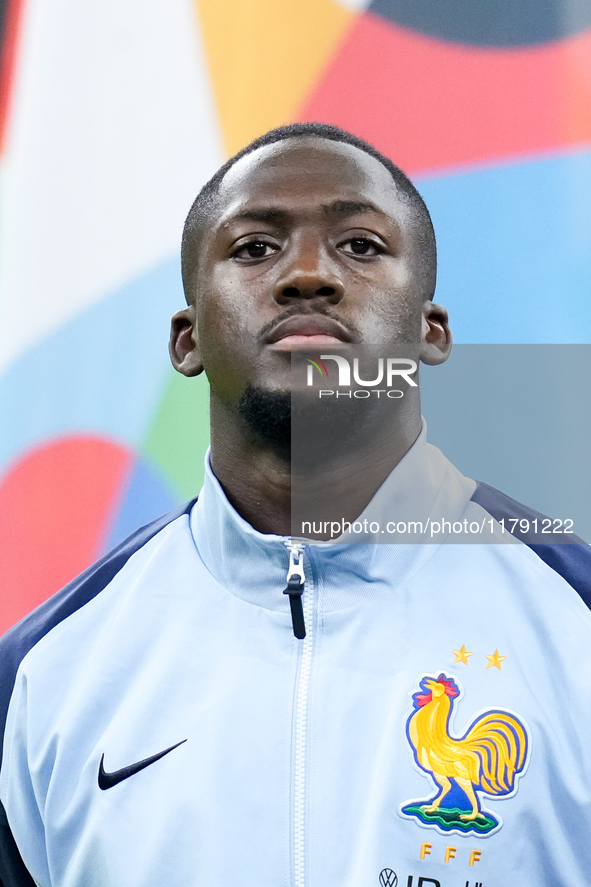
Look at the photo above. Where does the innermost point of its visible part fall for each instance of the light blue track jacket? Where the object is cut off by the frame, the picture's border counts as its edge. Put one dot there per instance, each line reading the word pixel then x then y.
pixel 164 727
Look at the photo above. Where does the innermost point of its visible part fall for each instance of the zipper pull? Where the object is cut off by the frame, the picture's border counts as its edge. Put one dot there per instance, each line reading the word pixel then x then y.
pixel 295 587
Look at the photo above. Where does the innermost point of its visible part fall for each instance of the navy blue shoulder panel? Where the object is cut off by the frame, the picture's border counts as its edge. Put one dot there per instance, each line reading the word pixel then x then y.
pixel 23 636
pixel 13 872
pixel 569 556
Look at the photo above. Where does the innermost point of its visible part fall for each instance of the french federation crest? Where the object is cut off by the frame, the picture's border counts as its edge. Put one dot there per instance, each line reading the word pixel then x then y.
pixel 486 760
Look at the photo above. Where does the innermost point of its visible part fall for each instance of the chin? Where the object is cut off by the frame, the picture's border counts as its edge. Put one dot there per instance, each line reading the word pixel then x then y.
pixel 299 427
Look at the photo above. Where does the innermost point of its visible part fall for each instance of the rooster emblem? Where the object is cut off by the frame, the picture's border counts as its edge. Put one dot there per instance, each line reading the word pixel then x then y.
pixel 488 758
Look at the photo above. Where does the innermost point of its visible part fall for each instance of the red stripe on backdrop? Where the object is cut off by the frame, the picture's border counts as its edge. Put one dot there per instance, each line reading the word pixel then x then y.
pixel 55 505
pixel 10 38
pixel 430 104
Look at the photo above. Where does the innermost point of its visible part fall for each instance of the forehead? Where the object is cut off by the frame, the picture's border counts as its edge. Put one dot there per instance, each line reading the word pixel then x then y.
pixel 302 172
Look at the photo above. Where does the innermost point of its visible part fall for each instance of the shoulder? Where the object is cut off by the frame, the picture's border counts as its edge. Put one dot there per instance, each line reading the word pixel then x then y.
pixel 561 550
pixel 27 633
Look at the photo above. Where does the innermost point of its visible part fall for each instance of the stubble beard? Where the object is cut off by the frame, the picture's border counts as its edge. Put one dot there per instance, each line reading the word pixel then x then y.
pixel 268 416
pixel 307 430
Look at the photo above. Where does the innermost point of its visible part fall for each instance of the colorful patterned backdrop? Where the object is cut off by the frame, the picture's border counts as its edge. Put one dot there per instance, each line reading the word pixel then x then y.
pixel 112 115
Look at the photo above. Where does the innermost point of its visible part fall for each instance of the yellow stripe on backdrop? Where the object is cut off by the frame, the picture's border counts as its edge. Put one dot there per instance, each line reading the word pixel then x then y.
pixel 264 57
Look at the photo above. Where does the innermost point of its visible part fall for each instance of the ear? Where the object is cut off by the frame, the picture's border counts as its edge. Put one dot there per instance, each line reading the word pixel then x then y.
pixel 436 338
pixel 184 342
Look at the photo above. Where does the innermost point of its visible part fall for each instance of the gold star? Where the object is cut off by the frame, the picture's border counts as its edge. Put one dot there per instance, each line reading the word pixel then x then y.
pixel 495 659
pixel 461 655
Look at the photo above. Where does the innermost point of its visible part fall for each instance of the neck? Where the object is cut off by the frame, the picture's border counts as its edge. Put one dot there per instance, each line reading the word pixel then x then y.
pixel 268 490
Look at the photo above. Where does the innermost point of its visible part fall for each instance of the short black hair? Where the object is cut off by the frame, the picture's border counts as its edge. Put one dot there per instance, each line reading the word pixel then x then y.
pixel 199 213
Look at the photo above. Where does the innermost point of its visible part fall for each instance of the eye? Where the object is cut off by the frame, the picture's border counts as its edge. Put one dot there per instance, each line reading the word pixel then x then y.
pixel 360 246
pixel 256 249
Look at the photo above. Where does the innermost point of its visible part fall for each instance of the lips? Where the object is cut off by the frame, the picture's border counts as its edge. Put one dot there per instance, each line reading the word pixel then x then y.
pixel 308 330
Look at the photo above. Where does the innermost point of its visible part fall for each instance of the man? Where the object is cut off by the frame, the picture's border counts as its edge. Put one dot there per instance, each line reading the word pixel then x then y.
pixel 172 718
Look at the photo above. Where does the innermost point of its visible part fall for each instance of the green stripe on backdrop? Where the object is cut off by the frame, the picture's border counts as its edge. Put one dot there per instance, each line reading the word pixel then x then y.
pixel 179 434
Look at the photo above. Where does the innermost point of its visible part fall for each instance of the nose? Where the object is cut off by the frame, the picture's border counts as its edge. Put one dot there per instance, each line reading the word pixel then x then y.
pixel 309 274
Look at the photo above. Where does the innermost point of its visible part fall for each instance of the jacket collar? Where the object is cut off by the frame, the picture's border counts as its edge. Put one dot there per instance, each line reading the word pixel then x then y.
pixel 424 486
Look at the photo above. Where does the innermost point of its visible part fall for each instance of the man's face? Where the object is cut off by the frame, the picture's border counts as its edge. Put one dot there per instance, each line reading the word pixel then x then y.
pixel 311 246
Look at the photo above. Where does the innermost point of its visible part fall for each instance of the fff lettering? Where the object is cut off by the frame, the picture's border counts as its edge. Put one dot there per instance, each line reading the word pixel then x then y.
pixel 450 853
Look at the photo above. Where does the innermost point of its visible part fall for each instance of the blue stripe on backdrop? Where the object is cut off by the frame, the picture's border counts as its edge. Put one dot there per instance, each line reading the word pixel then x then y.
pixel 515 249
pixel 103 372
pixel 146 496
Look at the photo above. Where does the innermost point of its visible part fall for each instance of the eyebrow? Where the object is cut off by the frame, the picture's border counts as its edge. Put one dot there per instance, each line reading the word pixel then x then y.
pixel 271 214
pixel 343 208
pixel 337 209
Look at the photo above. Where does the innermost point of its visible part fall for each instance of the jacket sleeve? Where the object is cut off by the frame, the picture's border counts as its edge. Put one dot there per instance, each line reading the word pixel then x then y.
pixel 14 646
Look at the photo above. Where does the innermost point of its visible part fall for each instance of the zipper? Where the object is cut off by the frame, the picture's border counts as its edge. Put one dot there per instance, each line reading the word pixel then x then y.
pixel 304 605
pixel 295 587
